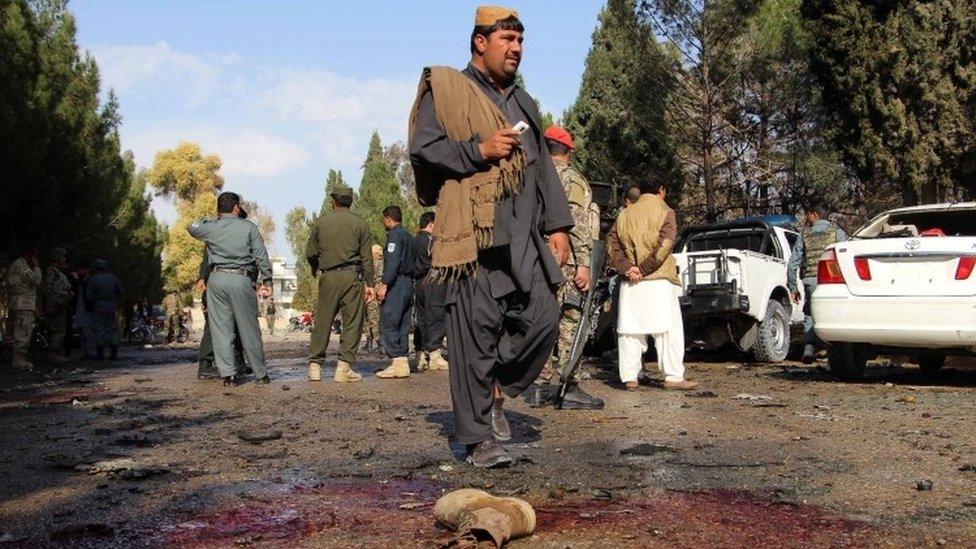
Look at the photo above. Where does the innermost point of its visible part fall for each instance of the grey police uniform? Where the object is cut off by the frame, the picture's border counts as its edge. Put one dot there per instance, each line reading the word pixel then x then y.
pixel 237 254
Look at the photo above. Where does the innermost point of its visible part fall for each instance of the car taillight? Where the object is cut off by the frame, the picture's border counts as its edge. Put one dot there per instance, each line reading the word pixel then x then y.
pixel 965 267
pixel 828 269
pixel 863 269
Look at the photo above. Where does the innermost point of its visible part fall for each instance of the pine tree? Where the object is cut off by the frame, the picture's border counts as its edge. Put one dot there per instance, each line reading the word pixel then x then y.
pixel 899 80
pixel 332 182
pixel 379 188
pixel 617 120
pixel 298 227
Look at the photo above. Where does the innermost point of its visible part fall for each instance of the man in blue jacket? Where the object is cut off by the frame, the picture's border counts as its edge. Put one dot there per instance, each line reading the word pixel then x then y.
pixel 396 293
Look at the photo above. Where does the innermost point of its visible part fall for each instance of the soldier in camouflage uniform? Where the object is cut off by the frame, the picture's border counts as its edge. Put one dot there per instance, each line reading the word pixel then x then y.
pixel 57 297
pixel 819 233
pixel 372 330
pixel 22 279
pixel 577 269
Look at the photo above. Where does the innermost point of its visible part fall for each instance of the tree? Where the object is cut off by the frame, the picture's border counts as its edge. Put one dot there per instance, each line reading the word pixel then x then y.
pixel 380 188
pixel 192 179
pixel 332 182
pixel 65 180
pixel 298 227
pixel 899 77
pixel 264 221
pixel 617 120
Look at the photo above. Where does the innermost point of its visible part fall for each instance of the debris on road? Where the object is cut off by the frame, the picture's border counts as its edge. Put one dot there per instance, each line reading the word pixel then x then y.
pixel 646 449
pixel 258 436
pixel 747 396
pixel 923 485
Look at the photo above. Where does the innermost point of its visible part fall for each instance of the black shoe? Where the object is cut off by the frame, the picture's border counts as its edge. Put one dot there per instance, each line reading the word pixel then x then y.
pixel 207 376
pixel 500 429
pixel 230 381
pixel 263 380
pixel 578 399
pixel 489 454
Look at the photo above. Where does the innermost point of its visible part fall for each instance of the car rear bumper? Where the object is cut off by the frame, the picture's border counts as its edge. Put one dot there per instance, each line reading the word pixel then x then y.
pixel 915 322
pixel 708 304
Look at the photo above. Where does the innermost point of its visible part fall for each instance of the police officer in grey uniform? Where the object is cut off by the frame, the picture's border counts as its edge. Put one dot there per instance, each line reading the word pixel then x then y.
pixel 237 257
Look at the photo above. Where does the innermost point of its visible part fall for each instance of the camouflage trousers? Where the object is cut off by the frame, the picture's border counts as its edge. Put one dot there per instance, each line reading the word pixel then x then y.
pixel 569 320
pixel 23 327
pixel 372 326
pixel 57 327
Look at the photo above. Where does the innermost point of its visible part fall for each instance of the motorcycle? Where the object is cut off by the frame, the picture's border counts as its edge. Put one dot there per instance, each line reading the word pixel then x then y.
pixel 302 323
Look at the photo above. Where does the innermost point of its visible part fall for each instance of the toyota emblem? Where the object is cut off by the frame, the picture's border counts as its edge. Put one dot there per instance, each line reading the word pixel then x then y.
pixel 913 244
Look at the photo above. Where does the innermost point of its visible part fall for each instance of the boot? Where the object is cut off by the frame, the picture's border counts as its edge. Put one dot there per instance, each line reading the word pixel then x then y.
pixel 479 516
pixel 345 373
pixel 500 430
pixel 423 362
pixel 436 362
pixel 314 371
pixel 578 399
pixel 114 352
pixel 399 368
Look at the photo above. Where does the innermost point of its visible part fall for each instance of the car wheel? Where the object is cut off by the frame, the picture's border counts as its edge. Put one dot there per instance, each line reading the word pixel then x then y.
pixel 773 340
pixel 931 363
pixel 847 361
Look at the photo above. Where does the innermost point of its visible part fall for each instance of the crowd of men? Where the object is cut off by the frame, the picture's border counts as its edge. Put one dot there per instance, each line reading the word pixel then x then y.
pixel 492 285
pixel 61 302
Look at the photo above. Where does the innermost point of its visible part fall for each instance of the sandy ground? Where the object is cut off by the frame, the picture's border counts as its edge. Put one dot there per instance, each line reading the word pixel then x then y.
pixel 802 460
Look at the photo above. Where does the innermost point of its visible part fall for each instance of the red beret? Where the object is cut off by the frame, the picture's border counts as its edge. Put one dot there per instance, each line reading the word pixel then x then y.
pixel 559 135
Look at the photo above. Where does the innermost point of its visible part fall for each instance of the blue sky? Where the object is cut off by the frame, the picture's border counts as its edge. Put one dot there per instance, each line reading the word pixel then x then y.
pixel 284 91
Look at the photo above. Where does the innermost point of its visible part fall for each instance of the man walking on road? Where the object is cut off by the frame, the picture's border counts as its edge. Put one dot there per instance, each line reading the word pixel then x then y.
pixel 396 293
pixel 819 233
pixel 640 245
pixel 339 251
pixel 171 312
pixel 23 279
pixel 428 338
pixel 103 291
pixel 490 245
pixel 238 257
pixel 577 269
pixel 206 368
pixel 270 313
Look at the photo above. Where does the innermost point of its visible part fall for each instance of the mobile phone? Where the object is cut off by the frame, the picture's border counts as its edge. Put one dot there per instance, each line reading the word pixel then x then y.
pixel 521 127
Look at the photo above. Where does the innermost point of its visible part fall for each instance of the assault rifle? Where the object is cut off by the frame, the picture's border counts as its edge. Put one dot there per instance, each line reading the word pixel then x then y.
pixel 590 305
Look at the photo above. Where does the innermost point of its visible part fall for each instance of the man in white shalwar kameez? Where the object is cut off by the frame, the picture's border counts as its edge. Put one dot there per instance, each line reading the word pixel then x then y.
pixel 640 245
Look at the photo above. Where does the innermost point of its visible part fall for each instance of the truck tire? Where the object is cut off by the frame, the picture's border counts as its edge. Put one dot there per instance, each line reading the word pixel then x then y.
pixel 931 363
pixel 847 361
pixel 773 338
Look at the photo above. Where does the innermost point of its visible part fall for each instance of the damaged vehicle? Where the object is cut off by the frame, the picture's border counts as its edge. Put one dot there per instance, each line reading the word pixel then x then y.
pixel 733 275
pixel 903 284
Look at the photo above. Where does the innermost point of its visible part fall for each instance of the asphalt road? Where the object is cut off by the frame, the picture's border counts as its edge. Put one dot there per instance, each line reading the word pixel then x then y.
pixel 140 453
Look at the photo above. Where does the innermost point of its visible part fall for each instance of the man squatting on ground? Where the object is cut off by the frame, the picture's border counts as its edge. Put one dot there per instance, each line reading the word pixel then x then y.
pixel 396 293
pixel 640 245
pixel 338 249
pixel 429 295
pixel 498 196
pixel 237 257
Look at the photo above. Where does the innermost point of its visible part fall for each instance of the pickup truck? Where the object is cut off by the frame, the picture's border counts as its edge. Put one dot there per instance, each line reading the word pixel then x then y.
pixel 733 276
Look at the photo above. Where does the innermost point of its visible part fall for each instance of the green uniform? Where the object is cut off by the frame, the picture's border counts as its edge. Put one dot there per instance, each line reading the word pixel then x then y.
pixel 580 198
pixel 270 315
pixel 339 250
pixel 171 309
pixel 237 254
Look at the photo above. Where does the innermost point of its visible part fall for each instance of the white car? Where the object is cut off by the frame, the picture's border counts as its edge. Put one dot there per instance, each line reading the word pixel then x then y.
pixel 903 284
pixel 733 276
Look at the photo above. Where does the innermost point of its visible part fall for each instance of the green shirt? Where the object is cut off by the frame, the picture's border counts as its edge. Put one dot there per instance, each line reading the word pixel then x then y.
pixel 340 238
pixel 233 243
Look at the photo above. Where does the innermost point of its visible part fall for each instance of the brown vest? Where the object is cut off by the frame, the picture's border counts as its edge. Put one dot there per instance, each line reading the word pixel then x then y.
pixel 639 231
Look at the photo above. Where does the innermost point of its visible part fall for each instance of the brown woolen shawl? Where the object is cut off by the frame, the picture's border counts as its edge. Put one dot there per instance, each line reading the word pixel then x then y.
pixel 465 208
